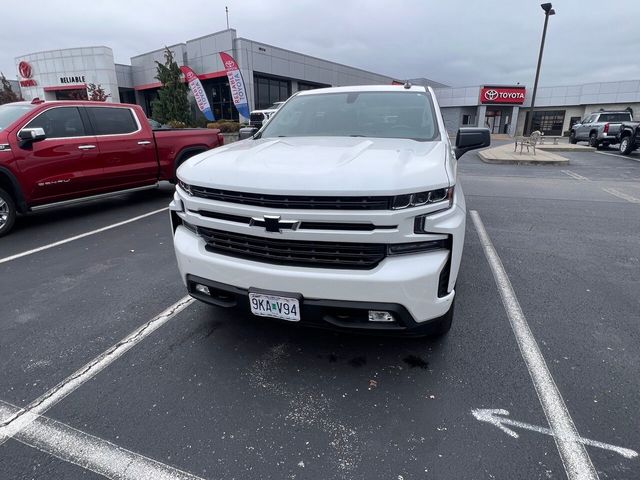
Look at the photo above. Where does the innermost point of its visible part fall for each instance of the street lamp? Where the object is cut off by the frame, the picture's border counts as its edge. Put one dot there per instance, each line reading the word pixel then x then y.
pixel 548 10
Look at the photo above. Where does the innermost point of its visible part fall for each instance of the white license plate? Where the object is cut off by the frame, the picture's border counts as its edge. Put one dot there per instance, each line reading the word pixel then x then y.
pixel 285 308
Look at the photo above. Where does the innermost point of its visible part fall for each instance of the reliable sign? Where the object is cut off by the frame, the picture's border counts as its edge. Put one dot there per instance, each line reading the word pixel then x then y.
pixel 513 95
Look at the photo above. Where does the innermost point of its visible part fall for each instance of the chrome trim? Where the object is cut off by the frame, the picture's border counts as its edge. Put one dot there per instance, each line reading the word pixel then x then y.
pixel 5 147
pixel 86 147
pixel 46 110
pixel 93 197
pixel 135 117
pixel 144 142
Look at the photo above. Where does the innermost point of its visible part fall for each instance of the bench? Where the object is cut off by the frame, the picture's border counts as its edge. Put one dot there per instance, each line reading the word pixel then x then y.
pixel 555 139
pixel 529 141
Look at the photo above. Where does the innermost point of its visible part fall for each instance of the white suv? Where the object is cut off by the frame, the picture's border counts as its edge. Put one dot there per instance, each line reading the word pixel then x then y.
pixel 343 211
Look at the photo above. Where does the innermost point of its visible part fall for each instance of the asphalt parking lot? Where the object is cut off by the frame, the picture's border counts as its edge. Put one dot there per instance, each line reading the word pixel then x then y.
pixel 197 392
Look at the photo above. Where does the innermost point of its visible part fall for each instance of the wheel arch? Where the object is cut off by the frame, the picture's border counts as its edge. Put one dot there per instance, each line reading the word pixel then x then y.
pixel 185 154
pixel 9 183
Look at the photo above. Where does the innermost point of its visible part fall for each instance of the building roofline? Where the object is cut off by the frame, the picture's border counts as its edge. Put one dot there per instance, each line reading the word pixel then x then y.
pixel 317 58
pixel 211 34
pixel 159 49
pixel 62 50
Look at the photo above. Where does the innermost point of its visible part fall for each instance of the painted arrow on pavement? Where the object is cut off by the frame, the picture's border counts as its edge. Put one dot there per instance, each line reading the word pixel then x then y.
pixel 498 418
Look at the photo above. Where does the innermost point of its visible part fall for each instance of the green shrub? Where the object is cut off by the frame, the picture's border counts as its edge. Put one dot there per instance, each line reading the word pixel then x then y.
pixel 176 124
pixel 225 126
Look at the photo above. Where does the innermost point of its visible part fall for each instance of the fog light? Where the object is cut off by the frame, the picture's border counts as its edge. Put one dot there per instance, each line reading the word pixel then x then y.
pixel 202 289
pixel 380 316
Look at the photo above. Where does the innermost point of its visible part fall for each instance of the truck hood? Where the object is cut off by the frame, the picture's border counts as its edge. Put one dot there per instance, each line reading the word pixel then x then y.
pixel 321 166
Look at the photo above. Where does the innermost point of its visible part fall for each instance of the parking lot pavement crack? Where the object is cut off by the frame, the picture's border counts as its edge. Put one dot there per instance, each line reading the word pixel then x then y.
pixel 25 416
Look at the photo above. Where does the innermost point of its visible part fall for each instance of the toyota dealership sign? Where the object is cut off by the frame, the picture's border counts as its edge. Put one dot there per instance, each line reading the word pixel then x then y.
pixel 26 72
pixel 511 95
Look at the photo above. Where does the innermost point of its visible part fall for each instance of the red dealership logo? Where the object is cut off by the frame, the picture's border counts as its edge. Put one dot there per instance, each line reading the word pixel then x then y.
pixel 25 71
pixel 513 95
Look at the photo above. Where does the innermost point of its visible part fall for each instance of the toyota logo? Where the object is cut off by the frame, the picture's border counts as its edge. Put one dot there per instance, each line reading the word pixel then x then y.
pixel 25 69
pixel 490 95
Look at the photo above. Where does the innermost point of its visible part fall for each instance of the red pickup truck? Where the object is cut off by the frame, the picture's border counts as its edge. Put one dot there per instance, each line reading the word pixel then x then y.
pixel 53 153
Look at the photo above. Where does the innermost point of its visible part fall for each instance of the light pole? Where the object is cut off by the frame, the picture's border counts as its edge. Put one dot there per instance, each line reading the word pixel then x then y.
pixel 548 10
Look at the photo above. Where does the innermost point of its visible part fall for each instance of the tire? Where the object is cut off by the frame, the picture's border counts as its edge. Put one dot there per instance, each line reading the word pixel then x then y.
pixel 572 138
pixel 441 326
pixel 626 145
pixel 7 212
pixel 593 140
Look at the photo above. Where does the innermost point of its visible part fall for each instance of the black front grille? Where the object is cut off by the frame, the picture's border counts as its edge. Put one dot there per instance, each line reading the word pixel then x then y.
pixel 363 256
pixel 293 201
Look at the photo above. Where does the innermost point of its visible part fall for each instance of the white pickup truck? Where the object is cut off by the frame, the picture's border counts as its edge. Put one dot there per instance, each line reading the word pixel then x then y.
pixel 343 211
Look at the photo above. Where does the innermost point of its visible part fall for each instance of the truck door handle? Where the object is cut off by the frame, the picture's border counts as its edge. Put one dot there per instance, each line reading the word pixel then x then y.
pixel 144 142
pixel 86 147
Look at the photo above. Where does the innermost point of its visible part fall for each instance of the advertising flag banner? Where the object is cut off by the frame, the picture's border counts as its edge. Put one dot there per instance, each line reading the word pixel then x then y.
pixel 236 84
pixel 198 92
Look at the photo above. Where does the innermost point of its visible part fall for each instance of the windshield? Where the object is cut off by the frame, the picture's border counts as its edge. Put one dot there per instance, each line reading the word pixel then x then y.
pixel 10 112
pixel 356 114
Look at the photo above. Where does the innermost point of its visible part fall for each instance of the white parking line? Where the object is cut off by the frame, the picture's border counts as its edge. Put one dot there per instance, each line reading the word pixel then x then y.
pixel 575 458
pixel 575 175
pixel 622 195
pixel 21 419
pixel 90 452
pixel 621 156
pixel 82 235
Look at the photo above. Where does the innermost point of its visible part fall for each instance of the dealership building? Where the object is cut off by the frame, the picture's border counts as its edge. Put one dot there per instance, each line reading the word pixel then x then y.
pixel 272 74
pixel 504 108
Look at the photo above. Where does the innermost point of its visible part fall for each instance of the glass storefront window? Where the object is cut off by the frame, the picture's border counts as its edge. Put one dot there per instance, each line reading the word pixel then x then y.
pixel 269 90
pixel 549 122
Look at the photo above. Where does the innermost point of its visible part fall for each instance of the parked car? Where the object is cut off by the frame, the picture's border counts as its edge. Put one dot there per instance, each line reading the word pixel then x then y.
pixel 344 211
pixel 629 137
pixel 58 152
pixel 599 128
pixel 258 117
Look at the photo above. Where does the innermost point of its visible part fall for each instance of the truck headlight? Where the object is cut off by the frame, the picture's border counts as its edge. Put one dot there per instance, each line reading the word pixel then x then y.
pixel 446 201
pixel 185 187
pixel 423 198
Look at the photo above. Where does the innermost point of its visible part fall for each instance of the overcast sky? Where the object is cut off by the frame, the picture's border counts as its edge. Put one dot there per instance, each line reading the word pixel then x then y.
pixel 451 41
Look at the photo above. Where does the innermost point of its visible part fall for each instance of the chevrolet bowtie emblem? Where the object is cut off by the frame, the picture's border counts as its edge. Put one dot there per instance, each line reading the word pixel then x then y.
pixel 272 223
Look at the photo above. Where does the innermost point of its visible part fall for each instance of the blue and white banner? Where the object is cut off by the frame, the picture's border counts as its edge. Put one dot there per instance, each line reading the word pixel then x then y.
pixel 198 92
pixel 236 84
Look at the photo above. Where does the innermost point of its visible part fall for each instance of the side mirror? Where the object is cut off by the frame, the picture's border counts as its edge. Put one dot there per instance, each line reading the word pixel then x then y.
pixel 247 132
pixel 470 139
pixel 30 135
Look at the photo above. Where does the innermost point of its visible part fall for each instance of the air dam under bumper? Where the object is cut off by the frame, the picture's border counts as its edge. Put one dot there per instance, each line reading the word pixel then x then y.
pixel 406 284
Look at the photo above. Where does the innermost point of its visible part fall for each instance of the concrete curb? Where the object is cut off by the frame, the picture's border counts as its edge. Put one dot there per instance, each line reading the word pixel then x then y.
pixel 524 161
pixel 565 148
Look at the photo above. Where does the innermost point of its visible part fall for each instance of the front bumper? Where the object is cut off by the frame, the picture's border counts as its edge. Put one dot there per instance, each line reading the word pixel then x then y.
pixel 406 285
pixel 320 313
